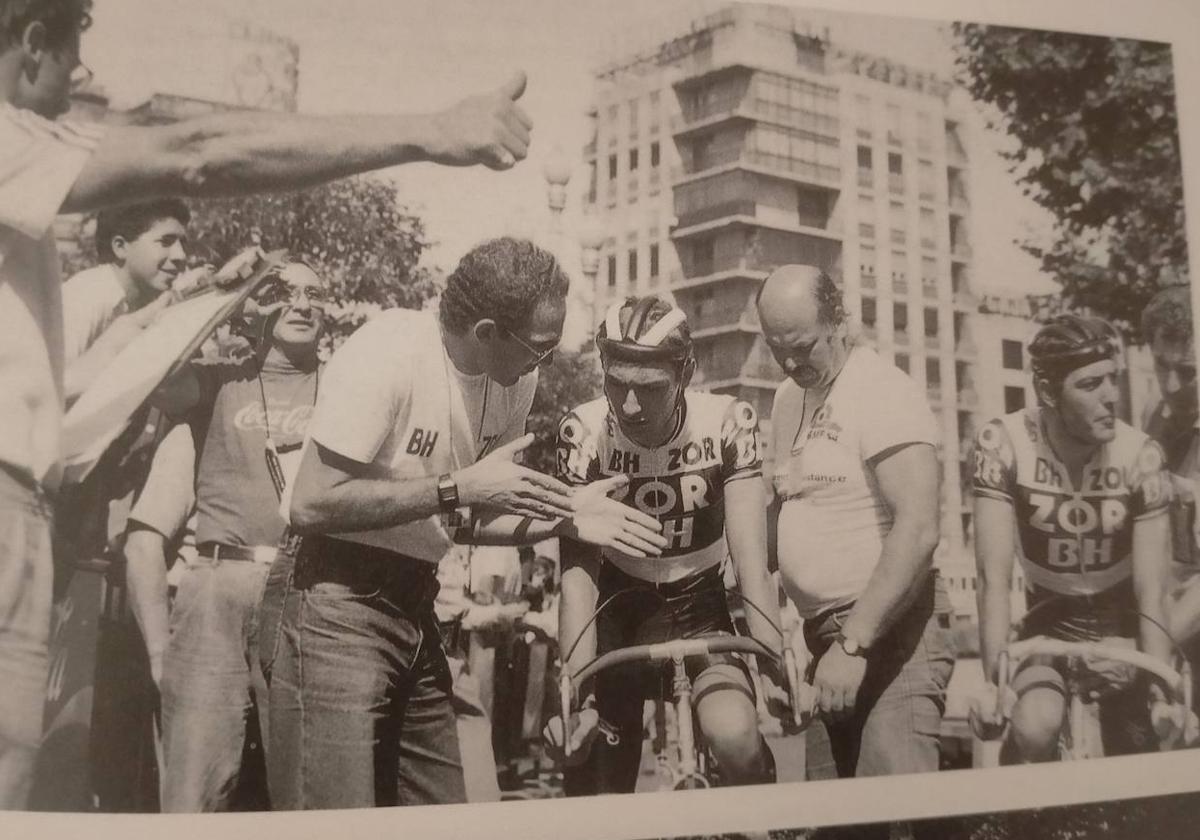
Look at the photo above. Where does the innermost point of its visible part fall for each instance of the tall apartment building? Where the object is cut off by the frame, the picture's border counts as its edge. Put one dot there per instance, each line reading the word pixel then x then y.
pixel 747 141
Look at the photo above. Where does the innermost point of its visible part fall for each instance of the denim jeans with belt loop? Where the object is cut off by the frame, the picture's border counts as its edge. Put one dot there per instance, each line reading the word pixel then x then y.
pixel 896 722
pixel 26 581
pixel 213 689
pixel 360 689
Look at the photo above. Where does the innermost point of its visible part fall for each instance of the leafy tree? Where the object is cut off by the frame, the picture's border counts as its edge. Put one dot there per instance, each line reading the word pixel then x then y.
pixel 354 232
pixel 1098 147
pixel 569 380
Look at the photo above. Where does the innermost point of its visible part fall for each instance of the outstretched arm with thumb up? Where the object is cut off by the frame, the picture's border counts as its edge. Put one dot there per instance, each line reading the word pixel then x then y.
pixel 488 128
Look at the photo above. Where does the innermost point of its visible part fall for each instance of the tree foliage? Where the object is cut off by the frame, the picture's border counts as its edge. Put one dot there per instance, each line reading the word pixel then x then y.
pixel 1098 147
pixel 569 380
pixel 354 232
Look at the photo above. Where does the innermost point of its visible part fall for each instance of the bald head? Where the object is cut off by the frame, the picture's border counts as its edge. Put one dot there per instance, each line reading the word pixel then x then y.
pixel 801 311
pixel 801 293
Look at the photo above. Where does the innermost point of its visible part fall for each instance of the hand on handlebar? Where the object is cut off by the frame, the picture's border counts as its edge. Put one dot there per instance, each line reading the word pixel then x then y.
pixel 988 713
pixel 1171 721
pixel 584 727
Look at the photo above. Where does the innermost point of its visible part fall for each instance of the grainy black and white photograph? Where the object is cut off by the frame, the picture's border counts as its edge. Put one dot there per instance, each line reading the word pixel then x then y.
pixel 595 414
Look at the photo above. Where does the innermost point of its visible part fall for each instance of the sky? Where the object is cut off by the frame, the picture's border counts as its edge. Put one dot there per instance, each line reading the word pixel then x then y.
pixel 383 56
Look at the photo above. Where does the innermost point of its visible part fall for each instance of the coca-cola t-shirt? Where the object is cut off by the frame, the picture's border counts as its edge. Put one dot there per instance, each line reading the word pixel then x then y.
pixel 236 502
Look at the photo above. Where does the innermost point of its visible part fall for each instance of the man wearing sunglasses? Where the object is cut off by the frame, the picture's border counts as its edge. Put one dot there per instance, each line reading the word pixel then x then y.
pixel 413 444
pixel 50 167
pixel 247 420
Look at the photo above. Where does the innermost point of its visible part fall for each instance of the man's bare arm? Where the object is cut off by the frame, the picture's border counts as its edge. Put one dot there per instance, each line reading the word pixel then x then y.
pixel 995 526
pixel 240 153
pixel 908 479
pixel 1151 554
pixel 746 533
pixel 580 593
pixel 334 494
pixel 146 574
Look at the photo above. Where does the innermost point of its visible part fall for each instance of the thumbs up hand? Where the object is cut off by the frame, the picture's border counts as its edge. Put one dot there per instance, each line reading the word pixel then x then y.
pixel 488 128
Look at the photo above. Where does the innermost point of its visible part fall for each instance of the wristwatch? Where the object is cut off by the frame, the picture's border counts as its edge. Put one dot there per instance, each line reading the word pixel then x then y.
pixel 447 492
pixel 851 647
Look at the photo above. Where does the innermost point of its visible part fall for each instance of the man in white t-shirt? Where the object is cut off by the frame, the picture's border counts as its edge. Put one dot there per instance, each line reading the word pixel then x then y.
pixel 854 525
pixel 48 167
pixel 420 415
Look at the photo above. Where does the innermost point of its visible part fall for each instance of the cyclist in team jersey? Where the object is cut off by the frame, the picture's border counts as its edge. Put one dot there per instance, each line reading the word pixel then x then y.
pixel 695 464
pixel 1081 499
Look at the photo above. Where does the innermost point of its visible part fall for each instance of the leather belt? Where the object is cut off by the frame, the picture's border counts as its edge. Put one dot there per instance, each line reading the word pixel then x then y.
pixel 216 551
pixel 407 582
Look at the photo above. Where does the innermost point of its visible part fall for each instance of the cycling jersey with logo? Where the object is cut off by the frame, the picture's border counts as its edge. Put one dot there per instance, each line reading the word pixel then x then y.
pixel 681 483
pixel 1071 541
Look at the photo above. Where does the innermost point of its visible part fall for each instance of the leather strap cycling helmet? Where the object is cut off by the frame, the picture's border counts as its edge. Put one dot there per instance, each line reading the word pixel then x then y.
pixel 640 341
pixel 1068 342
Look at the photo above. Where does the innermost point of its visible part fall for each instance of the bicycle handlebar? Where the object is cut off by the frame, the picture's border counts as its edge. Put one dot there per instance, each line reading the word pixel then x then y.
pixel 666 651
pixel 1044 646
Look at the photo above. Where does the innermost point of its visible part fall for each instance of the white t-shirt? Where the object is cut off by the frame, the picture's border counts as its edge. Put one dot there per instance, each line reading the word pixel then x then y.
pixel 834 517
pixel 39 162
pixel 92 300
pixel 391 397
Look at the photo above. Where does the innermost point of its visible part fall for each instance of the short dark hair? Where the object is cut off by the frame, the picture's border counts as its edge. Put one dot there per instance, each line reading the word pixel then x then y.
pixel 1168 312
pixel 503 279
pixel 831 306
pixel 132 220
pixel 62 19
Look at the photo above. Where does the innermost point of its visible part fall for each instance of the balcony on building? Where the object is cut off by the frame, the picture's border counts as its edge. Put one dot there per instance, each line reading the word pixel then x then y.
pixel 720 309
pixel 964 345
pixel 956 179
pixel 739 197
pixel 960 247
pixel 746 254
pixel 960 289
pixel 956 152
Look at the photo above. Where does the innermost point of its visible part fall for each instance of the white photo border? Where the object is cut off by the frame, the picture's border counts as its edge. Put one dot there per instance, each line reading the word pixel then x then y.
pixel 792 805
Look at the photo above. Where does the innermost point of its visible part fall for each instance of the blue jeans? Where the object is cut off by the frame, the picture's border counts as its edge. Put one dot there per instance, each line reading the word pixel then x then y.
pixel 897 718
pixel 360 690
pixel 26 580
pixel 211 687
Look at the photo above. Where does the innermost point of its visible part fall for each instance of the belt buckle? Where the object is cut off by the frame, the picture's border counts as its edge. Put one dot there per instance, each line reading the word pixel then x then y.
pixel 265 554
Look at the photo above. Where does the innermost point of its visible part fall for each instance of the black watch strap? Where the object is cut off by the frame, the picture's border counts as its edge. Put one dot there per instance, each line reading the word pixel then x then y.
pixel 447 492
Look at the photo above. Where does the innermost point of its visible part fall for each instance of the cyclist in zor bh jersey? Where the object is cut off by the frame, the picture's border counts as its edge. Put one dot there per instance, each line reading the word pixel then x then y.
pixel 1081 498
pixel 695 464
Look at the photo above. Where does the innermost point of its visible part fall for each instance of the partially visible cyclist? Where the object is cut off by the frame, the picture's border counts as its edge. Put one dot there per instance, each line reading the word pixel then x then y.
pixel 695 464
pixel 1081 499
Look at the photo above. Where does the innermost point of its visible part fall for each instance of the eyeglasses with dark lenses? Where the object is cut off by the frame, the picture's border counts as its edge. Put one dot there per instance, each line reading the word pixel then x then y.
pixel 278 290
pixel 540 357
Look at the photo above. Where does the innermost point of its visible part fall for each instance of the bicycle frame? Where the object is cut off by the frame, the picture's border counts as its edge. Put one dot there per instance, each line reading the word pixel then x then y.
pixel 675 652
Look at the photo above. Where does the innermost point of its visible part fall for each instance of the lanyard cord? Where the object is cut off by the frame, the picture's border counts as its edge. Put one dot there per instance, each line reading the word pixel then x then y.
pixel 262 393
